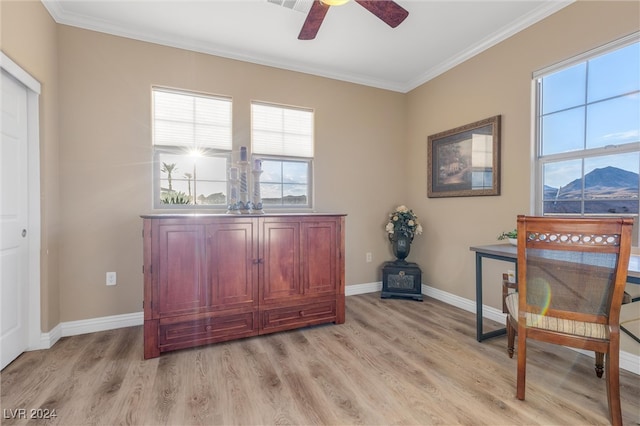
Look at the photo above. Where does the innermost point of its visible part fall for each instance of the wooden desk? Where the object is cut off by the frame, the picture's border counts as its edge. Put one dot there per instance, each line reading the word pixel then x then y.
pixel 509 253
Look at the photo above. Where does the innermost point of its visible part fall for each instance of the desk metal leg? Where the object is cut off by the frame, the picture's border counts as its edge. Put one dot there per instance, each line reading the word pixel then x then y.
pixel 480 336
pixel 478 297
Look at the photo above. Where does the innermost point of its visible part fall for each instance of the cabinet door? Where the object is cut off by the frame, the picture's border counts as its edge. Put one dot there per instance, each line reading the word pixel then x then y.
pixel 319 257
pixel 232 263
pixel 181 284
pixel 280 253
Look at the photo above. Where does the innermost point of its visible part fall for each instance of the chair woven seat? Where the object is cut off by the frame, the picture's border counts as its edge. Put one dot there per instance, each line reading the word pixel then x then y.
pixel 560 325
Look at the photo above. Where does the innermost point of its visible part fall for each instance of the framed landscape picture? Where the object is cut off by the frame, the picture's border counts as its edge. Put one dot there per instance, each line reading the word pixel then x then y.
pixel 465 161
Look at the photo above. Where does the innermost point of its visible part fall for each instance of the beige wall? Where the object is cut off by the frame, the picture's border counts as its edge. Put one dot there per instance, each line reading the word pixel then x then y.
pixel 105 155
pixel 370 147
pixel 29 38
pixel 496 82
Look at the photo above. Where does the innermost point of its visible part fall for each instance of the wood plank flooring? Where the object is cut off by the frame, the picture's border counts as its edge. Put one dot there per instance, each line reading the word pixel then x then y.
pixel 393 362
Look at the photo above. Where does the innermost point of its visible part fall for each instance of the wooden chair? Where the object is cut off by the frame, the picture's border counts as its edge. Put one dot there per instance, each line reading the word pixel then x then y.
pixel 571 279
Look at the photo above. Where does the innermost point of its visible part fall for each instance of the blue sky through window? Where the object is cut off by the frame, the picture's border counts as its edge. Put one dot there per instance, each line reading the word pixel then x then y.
pixel 589 127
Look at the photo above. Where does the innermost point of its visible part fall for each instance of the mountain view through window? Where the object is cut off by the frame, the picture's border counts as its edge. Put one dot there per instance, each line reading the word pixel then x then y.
pixel 588 124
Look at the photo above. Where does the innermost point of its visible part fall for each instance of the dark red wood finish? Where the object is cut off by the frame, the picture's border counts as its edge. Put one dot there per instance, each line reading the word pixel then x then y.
pixel 213 278
pixel 314 20
pixel 390 12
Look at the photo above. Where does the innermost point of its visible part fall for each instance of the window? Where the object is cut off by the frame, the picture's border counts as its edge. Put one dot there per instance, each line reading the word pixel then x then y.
pixel 588 133
pixel 282 137
pixel 192 149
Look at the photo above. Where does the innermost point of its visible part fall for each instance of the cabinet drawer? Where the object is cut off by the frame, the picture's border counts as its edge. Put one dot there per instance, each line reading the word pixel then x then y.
pixel 176 333
pixel 289 317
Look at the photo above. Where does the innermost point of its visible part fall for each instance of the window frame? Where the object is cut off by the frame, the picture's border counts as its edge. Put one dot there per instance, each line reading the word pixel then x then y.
pixel 539 160
pixel 309 162
pixel 181 150
pixel 286 158
pixel 157 177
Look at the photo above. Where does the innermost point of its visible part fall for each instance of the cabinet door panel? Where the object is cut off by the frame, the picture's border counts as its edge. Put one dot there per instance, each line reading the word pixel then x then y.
pixel 319 257
pixel 232 258
pixel 281 259
pixel 181 287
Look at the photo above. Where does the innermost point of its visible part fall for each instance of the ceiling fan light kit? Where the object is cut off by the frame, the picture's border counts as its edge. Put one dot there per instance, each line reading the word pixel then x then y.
pixel 334 2
pixel 388 11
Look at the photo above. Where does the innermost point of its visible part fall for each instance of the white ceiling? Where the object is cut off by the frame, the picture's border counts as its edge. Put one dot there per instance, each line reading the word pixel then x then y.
pixel 352 44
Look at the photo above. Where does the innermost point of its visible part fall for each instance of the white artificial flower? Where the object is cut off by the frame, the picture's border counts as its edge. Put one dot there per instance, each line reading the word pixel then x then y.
pixel 405 221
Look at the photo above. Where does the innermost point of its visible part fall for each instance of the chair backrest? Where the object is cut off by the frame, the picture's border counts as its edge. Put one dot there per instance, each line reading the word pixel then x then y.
pixel 573 269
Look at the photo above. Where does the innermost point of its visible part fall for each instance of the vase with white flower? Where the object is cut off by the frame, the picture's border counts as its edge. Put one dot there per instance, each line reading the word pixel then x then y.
pixel 401 228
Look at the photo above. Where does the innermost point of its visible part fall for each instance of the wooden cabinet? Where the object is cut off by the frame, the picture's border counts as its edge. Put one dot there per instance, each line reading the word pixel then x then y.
pixel 302 272
pixel 211 278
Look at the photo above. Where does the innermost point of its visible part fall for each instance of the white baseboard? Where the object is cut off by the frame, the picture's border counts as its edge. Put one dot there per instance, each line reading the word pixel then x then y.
pixel 92 325
pixel 352 290
pixel 628 361
pixel 48 339
pixel 73 328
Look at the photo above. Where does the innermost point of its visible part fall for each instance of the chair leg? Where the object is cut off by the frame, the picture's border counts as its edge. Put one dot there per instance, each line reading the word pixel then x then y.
pixel 511 336
pixel 522 363
pixel 599 364
pixel 613 387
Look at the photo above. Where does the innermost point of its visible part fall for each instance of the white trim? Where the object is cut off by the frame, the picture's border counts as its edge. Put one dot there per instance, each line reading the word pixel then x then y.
pixel 34 217
pixel 352 290
pixel 548 8
pixel 533 17
pixel 47 340
pixel 582 57
pixel 628 361
pixel 21 75
pixel 92 325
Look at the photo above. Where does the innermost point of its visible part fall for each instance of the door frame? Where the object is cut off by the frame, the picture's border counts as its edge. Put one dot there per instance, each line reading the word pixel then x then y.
pixel 34 338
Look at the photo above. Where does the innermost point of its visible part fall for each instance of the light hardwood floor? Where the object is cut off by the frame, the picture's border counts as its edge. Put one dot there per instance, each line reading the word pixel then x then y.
pixel 394 361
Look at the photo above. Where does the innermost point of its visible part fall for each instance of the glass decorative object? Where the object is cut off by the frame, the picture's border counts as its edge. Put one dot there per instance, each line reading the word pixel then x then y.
pixel 244 205
pixel 256 199
pixel 232 206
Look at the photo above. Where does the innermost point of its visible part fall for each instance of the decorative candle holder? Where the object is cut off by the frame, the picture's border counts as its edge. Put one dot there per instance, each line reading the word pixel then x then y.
pixel 256 207
pixel 232 206
pixel 244 204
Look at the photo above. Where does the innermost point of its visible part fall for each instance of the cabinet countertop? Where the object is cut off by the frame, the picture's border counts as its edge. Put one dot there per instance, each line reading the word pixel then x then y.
pixel 219 215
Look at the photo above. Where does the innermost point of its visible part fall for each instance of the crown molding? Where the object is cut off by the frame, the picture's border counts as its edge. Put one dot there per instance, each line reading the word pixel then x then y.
pixel 56 10
pixel 504 33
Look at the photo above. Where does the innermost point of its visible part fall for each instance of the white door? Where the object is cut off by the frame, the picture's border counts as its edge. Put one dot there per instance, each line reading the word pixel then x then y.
pixel 14 235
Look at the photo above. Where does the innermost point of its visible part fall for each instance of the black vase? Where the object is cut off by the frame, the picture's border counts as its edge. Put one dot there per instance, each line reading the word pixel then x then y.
pixel 401 245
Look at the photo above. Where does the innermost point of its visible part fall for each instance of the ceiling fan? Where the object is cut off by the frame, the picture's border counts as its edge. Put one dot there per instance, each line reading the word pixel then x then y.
pixel 388 11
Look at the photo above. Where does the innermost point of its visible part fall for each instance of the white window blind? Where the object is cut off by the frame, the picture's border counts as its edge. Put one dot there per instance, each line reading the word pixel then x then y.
pixel 282 131
pixel 191 120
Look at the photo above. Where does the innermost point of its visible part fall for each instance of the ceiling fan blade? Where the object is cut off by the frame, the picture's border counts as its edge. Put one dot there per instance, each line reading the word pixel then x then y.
pixel 314 20
pixel 389 11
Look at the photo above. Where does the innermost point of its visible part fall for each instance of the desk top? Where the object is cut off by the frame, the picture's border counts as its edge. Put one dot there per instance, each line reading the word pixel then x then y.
pixel 510 251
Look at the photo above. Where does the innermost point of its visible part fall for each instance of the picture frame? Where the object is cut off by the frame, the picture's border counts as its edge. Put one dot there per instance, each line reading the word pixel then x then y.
pixel 465 161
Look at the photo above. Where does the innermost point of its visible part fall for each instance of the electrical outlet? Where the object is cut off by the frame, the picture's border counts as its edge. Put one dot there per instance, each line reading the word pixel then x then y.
pixel 369 257
pixel 111 278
